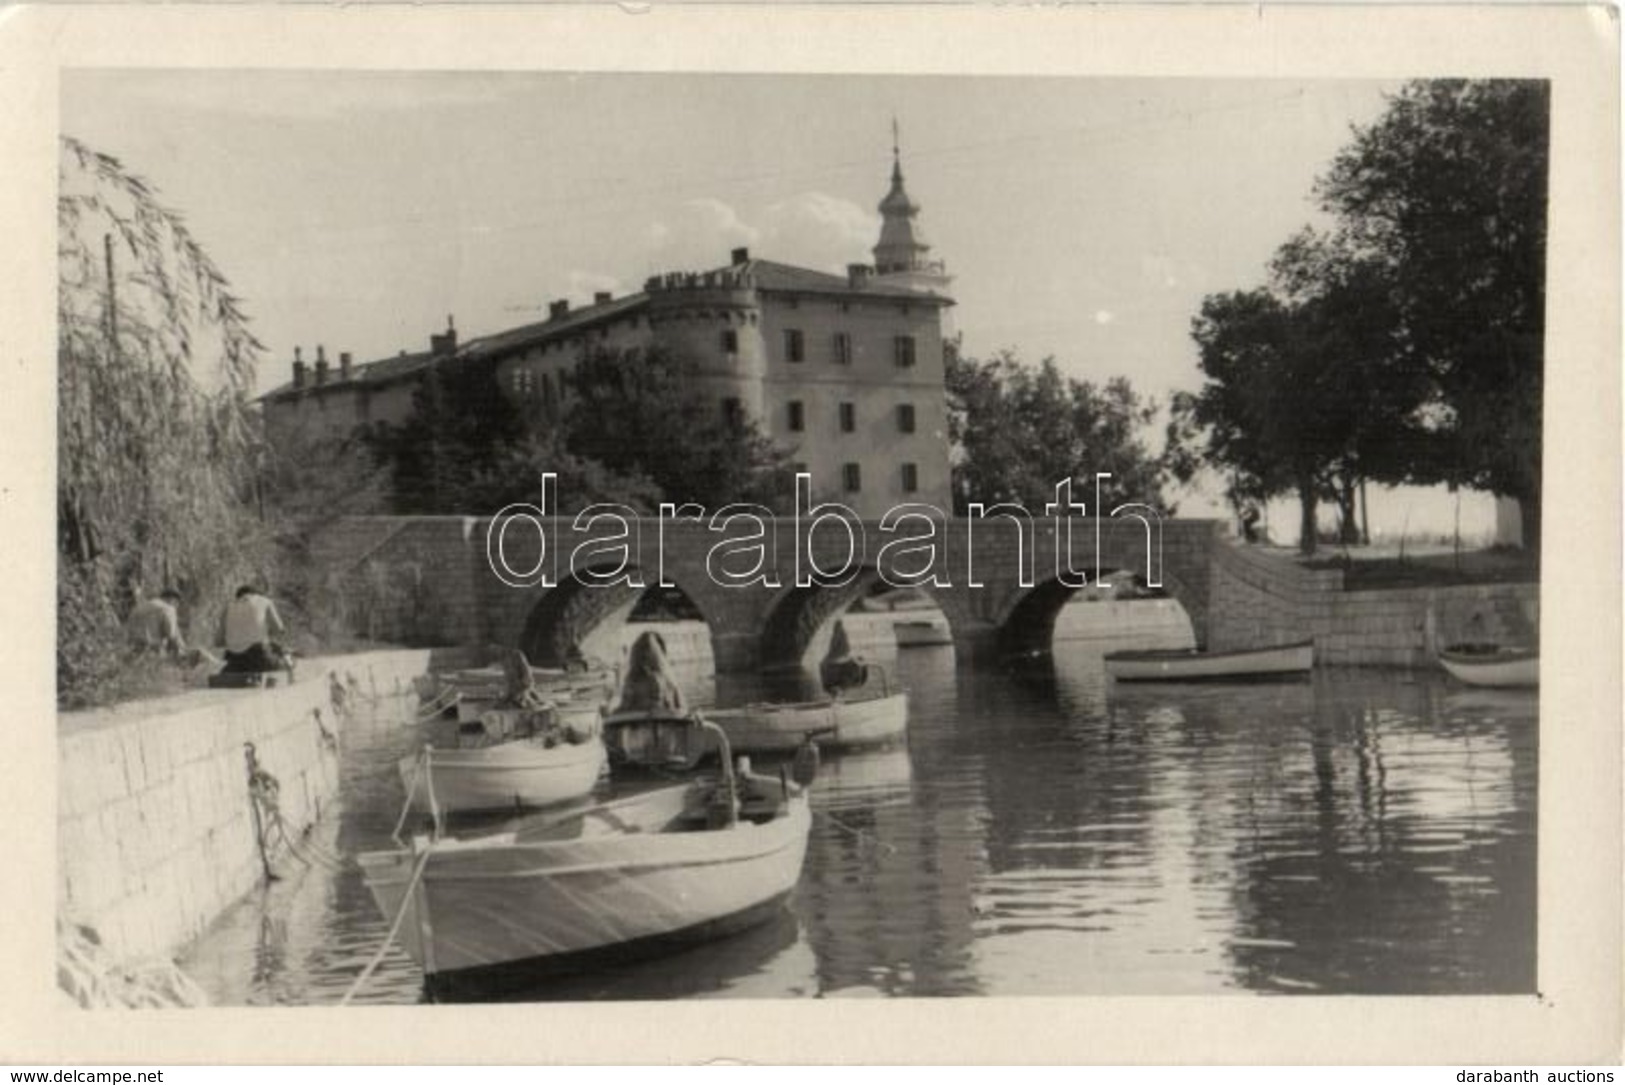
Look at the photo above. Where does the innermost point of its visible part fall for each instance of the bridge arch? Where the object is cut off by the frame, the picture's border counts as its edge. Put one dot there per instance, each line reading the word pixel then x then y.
pixel 589 616
pixel 1027 623
pixel 799 621
pixel 1226 591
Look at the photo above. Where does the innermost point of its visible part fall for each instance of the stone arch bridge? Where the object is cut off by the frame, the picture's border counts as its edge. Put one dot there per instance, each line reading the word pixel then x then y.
pixel 429 580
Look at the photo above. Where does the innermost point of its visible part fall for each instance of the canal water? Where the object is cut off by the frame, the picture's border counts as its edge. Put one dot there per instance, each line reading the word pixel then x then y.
pixel 1046 832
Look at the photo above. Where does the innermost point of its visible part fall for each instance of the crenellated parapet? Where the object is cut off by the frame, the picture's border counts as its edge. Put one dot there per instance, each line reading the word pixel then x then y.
pixel 725 296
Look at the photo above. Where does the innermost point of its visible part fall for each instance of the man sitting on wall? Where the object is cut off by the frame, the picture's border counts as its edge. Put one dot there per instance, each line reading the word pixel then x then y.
pixel 251 624
pixel 154 626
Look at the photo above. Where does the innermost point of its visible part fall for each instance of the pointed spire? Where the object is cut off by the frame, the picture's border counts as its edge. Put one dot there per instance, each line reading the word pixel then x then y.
pixel 902 253
pixel 901 244
pixel 897 201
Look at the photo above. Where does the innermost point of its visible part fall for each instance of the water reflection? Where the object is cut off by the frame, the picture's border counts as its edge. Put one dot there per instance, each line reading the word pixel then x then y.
pixel 772 959
pixel 1399 855
pixel 1045 831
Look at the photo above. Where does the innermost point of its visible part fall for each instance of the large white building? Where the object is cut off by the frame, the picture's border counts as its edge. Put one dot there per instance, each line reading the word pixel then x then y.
pixel 843 372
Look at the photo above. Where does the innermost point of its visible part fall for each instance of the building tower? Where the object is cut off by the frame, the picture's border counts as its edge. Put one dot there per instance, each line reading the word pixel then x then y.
pixel 902 254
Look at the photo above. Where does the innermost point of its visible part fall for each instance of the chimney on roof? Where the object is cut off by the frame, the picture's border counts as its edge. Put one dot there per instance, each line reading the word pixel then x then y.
pixel 321 366
pixel 739 256
pixel 602 297
pixel 446 343
pixel 344 365
pixel 857 275
pixel 298 369
pixel 558 308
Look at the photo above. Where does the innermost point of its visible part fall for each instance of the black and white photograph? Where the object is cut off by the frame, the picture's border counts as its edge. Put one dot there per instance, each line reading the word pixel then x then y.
pixel 605 535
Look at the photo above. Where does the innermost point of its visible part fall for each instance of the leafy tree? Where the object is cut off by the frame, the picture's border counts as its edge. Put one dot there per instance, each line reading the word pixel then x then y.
pixel 514 474
pixel 640 414
pixel 633 432
pixel 1017 430
pixel 461 423
pixel 156 440
pixel 1257 409
pixel 1446 193
pixel 1405 346
pixel 304 482
pixel 1310 387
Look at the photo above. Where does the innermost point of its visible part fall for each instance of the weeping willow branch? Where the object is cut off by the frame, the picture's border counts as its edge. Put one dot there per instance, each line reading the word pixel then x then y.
pixel 156 439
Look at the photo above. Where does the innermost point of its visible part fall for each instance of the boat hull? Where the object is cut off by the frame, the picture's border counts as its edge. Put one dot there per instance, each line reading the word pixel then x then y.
pixel 1506 669
pixel 478 691
pixel 1273 662
pixel 503 901
pixel 522 773
pixel 922 633
pixel 472 984
pixel 770 728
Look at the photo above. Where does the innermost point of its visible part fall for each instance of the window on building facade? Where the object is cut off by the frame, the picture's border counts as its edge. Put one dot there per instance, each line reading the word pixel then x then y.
pixel 911 478
pixel 903 350
pixel 849 418
pixel 797 416
pixel 794 349
pixel 730 341
pixel 851 478
pixel 733 412
pixel 843 349
pixel 905 418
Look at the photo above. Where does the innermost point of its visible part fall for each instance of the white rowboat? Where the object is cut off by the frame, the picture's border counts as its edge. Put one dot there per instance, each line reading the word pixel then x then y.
pixel 526 772
pixel 615 880
pixel 1194 666
pixel 490 684
pixel 922 632
pixel 1493 666
pixel 834 724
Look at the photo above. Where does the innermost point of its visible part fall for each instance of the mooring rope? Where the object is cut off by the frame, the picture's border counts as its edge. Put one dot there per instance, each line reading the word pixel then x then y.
pixel 264 795
pixel 446 699
pixel 858 834
pixel 394 928
pixel 411 789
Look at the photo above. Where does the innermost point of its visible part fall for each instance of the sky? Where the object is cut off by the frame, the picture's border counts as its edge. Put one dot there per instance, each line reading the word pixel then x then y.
pixel 1082 218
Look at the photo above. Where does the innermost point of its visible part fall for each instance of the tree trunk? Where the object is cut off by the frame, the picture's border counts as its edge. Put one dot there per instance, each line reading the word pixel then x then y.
pixel 1348 529
pixel 1306 522
pixel 1365 516
pixel 1529 520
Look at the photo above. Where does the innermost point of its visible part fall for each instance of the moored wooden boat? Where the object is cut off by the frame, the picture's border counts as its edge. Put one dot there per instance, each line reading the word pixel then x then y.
pixel 1492 665
pixel 492 682
pixel 625 878
pixel 922 632
pixel 836 724
pixel 526 772
pixel 1194 666
pixel 578 709
pixel 476 693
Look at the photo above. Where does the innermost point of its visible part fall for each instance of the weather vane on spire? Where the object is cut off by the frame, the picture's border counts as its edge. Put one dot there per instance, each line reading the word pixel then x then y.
pixel 894 141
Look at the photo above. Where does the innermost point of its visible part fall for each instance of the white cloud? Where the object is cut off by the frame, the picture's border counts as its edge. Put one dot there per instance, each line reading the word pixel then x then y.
pixel 699 236
pixel 812 229
pixel 1104 316
pixel 816 230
